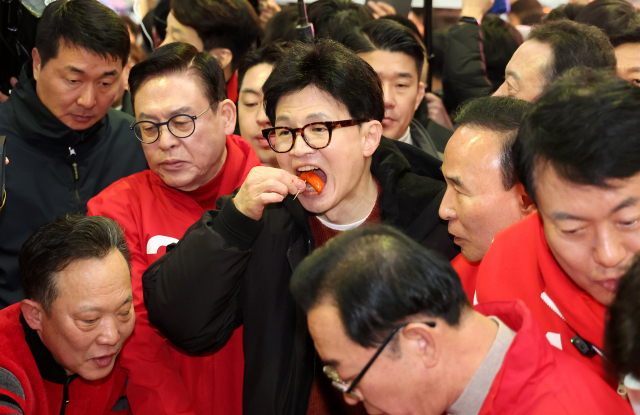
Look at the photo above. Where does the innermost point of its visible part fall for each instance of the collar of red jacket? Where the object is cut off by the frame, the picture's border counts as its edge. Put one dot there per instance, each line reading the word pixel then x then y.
pixel 49 369
pixel 583 313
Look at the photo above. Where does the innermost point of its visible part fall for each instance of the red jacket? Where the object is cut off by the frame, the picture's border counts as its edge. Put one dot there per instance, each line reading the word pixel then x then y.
pixel 537 378
pixel 468 272
pixel 162 378
pixel 519 265
pixel 33 383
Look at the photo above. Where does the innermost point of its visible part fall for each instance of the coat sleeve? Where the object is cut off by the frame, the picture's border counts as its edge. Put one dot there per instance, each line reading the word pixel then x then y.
pixel 464 74
pixel 192 292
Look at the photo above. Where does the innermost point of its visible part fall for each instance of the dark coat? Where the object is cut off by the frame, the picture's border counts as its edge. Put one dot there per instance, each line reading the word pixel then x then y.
pixel 40 180
pixel 229 269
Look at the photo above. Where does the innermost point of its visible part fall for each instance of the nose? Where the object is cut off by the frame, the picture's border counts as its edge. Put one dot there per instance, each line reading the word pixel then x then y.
pixel 166 141
pixel 300 147
pixel 263 120
pixel 446 210
pixel 350 399
pixel 87 98
pixel 502 91
pixel 610 250
pixel 109 333
pixel 389 96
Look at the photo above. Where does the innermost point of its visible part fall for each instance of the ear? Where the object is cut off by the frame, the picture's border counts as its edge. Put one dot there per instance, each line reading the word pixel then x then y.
pixel 224 57
pixel 227 114
pixel 33 314
pixel 420 340
pixel 157 41
pixel 526 204
pixel 420 96
pixel 35 55
pixel 372 132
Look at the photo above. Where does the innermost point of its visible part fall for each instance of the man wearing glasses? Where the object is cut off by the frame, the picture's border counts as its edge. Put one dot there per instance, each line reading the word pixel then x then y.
pixel 184 122
pixel 234 265
pixel 394 327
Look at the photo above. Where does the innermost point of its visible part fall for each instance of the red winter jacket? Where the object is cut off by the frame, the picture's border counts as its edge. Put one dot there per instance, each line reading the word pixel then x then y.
pixel 32 383
pixel 162 378
pixel 538 379
pixel 519 265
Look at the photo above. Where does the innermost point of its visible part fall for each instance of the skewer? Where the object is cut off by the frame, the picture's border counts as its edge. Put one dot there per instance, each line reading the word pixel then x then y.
pixel 294 198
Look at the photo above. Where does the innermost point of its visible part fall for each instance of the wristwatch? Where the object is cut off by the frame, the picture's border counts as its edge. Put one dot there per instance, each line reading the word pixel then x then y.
pixel 467 19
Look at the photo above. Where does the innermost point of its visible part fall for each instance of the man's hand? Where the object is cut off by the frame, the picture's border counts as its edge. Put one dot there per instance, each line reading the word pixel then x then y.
pixel 381 9
pixel 268 9
pixel 476 8
pixel 263 186
pixel 437 111
pixel 13 81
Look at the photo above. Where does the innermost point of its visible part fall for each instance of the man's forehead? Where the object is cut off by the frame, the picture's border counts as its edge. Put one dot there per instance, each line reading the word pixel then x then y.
pixel 387 63
pixel 308 103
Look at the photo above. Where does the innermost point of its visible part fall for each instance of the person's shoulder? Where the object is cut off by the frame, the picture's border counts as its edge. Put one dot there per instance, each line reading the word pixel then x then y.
pixel 124 191
pixel 521 233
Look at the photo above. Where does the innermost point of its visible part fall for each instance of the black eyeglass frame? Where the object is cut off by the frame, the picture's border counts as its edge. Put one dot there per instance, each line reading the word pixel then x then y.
pixel 160 124
pixel 331 125
pixel 341 385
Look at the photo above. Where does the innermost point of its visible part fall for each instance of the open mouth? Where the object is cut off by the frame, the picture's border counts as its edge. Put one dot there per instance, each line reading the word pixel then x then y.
pixel 315 178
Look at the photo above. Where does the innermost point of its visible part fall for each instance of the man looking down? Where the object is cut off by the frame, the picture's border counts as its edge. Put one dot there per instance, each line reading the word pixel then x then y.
pixel 185 125
pixel 234 264
pixel 60 345
pixel 393 326
pixel 65 142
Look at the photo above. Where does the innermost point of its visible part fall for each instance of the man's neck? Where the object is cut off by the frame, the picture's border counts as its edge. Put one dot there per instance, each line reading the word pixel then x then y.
pixel 469 346
pixel 357 205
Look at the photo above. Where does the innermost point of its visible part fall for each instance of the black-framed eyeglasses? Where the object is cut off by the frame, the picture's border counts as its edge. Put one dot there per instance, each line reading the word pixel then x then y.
pixel 317 135
pixel 181 125
pixel 344 386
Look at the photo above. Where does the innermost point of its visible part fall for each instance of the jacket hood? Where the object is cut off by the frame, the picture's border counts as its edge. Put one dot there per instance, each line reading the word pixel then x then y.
pixel 37 122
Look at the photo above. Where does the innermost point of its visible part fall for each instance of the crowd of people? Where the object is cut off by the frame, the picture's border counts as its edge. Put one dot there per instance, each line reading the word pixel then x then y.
pixel 223 219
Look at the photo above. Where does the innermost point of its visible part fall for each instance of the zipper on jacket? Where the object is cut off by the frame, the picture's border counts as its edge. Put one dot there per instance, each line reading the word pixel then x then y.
pixel 73 163
pixel 65 394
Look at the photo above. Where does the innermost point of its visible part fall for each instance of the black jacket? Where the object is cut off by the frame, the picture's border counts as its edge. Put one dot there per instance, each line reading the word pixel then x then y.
pixel 464 73
pixel 40 180
pixel 229 269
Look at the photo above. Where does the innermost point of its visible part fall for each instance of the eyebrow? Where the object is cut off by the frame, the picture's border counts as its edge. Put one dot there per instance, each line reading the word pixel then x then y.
pixel 95 308
pixel 455 180
pixel 78 70
pixel 333 363
pixel 181 110
pixel 403 75
pixel 513 74
pixel 631 201
pixel 249 91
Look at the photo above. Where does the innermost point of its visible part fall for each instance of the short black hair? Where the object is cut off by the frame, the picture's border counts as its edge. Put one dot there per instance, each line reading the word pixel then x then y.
pixel 332 68
pixel 181 58
pixel 377 278
pixel 502 115
pixel 500 42
pixel 574 44
pixel 282 26
pixel 565 11
pixel 586 127
pixel 61 242
pixel 389 36
pixel 230 24
pixel 618 19
pixel 85 24
pixel 270 53
pixel 160 14
pixel 336 19
pixel 622 329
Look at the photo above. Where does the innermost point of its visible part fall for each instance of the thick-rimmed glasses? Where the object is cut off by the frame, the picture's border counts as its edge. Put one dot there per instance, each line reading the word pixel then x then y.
pixel 181 125
pixel 317 135
pixel 343 386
